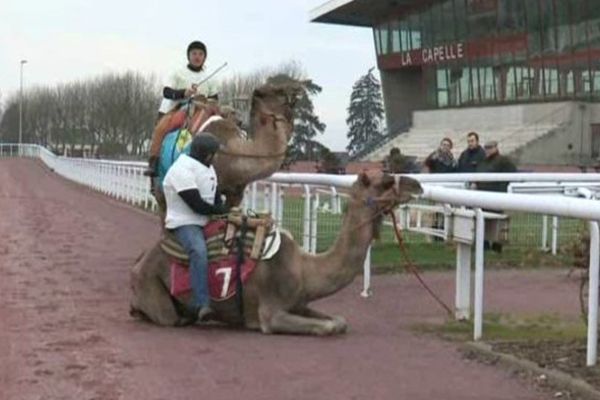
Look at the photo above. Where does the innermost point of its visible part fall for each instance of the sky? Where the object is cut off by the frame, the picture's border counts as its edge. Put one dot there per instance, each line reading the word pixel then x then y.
pixel 68 40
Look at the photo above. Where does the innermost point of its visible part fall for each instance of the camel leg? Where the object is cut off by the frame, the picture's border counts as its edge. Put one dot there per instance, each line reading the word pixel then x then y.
pixel 152 300
pixel 284 322
pixel 305 311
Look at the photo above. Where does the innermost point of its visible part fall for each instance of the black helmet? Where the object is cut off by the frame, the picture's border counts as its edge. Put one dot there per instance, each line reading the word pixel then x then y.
pixel 196 45
pixel 203 146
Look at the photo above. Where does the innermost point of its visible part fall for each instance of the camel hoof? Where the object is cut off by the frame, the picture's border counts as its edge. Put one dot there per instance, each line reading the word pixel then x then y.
pixel 134 312
pixel 341 325
pixel 329 328
pixel 335 326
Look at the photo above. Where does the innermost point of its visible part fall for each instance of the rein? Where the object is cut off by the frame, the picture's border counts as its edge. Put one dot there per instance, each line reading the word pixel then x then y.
pixel 408 265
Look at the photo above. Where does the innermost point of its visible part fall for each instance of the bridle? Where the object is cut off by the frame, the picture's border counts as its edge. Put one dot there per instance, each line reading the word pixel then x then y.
pixel 275 118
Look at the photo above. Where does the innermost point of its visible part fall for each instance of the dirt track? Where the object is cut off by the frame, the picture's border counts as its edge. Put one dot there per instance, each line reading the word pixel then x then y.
pixel 66 334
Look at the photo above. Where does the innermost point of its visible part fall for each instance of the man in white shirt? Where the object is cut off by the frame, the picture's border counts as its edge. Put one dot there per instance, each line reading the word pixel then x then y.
pixel 182 85
pixel 191 194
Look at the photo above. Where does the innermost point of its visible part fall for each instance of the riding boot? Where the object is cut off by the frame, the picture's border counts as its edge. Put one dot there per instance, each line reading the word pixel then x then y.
pixel 152 170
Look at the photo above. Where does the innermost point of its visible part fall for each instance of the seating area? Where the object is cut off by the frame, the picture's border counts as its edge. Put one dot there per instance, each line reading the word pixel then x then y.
pixel 512 126
pixel 420 142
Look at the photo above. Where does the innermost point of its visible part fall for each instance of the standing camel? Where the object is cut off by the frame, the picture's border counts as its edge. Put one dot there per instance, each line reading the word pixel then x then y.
pixel 271 127
pixel 277 295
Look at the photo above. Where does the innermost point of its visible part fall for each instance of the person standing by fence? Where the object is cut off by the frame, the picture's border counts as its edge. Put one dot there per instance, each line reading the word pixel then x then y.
pixel 472 156
pixel 439 162
pixel 496 231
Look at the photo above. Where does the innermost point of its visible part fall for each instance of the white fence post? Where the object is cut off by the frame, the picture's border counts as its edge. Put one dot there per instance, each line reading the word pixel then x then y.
pixel 479 238
pixel 253 196
pixel 274 197
pixel 545 233
pixel 306 217
pixel 462 307
pixel 314 223
pixel 280 205
pixel 592 325
pixel 266 197
pixel 554 235
pixel 366 292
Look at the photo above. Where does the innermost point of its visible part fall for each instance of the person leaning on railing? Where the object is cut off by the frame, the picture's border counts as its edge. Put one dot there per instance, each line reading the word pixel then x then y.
pixel 496 231
pixel 397 163
pixel 439 162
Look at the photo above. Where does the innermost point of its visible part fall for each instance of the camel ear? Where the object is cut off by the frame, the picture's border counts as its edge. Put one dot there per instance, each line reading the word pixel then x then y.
pixel 364 179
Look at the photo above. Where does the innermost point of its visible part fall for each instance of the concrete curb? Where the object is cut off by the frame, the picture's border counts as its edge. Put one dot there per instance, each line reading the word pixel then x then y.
pixel 554 377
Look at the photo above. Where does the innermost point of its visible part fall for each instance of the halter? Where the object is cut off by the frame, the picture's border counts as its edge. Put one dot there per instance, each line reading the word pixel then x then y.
pixel 275 118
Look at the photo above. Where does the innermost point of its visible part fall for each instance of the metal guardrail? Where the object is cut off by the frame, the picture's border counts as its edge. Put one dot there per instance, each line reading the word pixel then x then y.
pixel 125 181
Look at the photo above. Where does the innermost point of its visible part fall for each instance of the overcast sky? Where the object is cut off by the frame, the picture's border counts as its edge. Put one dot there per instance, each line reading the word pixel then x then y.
pixel 66 40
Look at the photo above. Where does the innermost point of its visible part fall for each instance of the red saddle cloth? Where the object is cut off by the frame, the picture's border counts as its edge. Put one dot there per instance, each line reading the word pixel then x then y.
pixel 222 270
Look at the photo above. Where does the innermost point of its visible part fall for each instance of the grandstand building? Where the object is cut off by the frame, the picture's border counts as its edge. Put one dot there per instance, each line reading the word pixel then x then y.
pixel 523 72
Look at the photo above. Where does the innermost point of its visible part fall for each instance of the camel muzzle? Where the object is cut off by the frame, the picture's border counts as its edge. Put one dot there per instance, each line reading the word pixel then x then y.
pixel 406 188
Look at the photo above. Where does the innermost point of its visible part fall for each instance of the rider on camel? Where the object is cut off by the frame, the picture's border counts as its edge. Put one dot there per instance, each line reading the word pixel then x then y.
pixel 182 85
pixel 191 194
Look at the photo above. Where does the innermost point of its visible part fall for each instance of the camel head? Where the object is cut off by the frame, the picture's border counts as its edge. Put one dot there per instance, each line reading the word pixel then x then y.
pixel 275 103
pixel 377 193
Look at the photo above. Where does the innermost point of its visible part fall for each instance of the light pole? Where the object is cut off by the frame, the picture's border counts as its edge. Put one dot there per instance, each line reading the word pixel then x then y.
pixel 23 62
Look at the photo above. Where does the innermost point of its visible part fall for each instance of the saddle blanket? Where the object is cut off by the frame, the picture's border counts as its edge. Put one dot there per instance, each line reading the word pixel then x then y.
pixel 222 271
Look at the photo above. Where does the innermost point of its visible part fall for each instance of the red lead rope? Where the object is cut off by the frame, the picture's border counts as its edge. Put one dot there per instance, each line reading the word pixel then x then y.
pixel 410 266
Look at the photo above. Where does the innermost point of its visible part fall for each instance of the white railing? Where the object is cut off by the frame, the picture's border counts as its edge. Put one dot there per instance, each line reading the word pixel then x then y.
pixel 124 181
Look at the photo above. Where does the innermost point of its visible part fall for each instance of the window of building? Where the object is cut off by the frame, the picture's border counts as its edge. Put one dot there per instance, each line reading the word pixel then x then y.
pixel 377 41
pixel 482 16
pixel 395 31
pixel 534 27
pixel 415 31
pixel 384 36
pixel 442 87
pixel 551 81
pixel 511 16
pixel 460 17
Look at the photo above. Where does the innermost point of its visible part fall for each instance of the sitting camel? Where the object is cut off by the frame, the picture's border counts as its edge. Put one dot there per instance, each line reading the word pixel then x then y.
pixel 276 296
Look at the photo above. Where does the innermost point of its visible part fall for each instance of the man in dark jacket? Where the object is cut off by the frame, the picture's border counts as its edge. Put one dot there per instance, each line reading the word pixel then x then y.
pixel 397 163
pixel 494 162
pixel 473 155
pixel 496 231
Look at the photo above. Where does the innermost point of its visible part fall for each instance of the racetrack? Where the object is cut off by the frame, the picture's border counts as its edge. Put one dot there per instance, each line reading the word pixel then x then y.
pixel 66 334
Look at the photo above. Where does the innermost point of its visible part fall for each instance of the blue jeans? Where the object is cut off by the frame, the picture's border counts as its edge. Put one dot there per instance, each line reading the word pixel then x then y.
pixel 191 237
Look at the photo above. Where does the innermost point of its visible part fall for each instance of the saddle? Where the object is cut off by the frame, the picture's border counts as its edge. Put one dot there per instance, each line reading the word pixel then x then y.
pixel 227 270
pixel 220 235
pixel 197 114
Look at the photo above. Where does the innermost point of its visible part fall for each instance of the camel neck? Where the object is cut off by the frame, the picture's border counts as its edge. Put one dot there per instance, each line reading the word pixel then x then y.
pixel 335 269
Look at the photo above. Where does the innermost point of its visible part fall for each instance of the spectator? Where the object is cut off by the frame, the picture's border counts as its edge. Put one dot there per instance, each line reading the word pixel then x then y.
pixel 398 163
pixel 494 162
pixel 439 162
pixel 442 161
pixel 496 230
pixel 472 156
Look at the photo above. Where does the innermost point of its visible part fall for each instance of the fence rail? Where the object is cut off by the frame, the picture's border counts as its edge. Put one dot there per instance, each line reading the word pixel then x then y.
pixel 311 210
pixel 298 203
